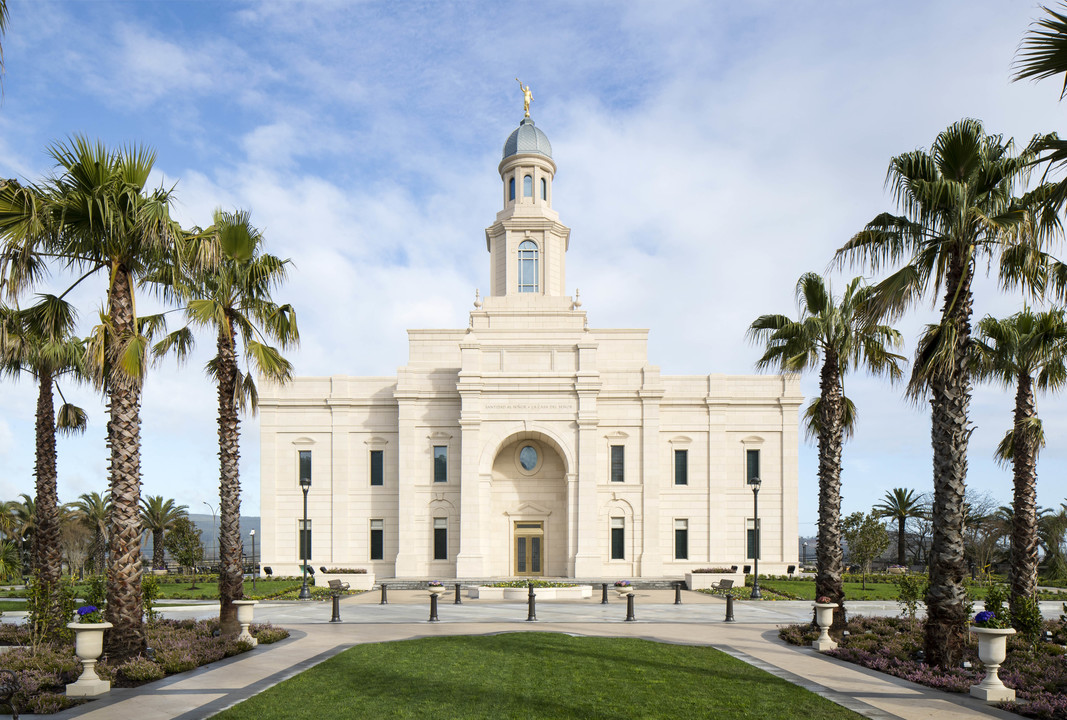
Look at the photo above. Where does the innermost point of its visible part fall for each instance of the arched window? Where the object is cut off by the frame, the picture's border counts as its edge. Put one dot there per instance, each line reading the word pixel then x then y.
pixel 511 189
pixel 528 275
pixel 527 187
pixel 544 189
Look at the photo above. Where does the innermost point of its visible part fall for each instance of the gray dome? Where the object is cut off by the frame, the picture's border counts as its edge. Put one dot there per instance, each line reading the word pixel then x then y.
pixel 527 139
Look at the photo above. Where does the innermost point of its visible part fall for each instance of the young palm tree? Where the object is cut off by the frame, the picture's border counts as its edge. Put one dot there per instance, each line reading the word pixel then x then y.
pixel 900 505
pixel 1052 528
pixel 234 299
pixel 841 338
pixel 92 511
pixel 97 215
pixel 1027 350
pixel 958 210
pixel 158 516
pixel 40 343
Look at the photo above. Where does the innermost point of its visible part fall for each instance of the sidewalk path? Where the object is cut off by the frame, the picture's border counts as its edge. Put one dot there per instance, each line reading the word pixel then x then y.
pixel 699 620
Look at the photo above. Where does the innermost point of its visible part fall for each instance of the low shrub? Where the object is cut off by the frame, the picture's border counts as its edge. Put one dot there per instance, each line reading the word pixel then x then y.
pixel 140 670
pixel 266 633
pixel 347 571
pixel 713 570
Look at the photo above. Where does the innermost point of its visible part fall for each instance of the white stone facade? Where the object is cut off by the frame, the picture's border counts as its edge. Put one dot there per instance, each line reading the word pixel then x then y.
pixel 528 372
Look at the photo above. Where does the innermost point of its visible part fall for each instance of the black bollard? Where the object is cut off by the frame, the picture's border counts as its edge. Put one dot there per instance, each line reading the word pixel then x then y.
pixel 385 598
pixel 336 609
pixel 604 594
pixel 630 607
pixel 677 593
pixel 457 601
pixel 729 608
pixel 531 616
pixel 433 607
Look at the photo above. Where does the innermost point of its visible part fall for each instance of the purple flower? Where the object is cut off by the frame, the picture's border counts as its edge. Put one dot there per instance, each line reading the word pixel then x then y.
pixel 86 609
pixel 984 617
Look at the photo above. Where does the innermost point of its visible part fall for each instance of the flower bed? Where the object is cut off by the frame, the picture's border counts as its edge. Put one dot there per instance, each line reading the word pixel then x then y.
pixel 890 645
pixel 521 593
pixel 179 645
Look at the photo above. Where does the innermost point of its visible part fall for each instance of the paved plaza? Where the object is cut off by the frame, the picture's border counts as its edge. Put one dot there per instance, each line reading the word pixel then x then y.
pixel 698 620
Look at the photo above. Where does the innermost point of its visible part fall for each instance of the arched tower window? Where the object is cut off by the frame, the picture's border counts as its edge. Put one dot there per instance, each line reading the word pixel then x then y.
pixel 528 275
pixel 527 187
pixel 511 189
pixel 544 189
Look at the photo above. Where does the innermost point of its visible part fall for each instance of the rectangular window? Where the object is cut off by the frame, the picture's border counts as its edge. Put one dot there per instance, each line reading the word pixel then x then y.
pixel 752 544
pixel 617 457
pixel 752 463
pixel 681 539
pixel 305 465
pixel 377 469
pixel 440 463
pixel 377 539
pixel 618 538
pixel 304 533
pixel 440 538
pixel 681 467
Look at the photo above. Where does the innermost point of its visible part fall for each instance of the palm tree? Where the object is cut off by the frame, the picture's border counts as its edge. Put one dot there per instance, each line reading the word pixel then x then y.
pixel 1027 350
pixel 92 511
pixel 40 342
pixel 900 505
pixel 843 338
pixel 1051 530
pixel 98 216
pixel 158 516
pixel 958 209
pixel 234 299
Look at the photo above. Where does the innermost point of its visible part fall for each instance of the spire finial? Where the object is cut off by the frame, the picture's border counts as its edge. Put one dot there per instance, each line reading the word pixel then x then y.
pixel 527 97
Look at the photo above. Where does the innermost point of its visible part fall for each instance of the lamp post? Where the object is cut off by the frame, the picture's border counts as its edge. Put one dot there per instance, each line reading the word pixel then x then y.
pixel 305 594
pixel 254 568
pixel 214 531
pixel 805 554
pixel 754 483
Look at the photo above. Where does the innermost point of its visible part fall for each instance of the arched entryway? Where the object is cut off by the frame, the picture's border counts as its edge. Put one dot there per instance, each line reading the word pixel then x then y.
pixel 529 508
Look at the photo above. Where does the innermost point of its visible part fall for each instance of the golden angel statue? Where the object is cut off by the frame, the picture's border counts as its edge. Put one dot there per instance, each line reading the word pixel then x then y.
pixel 527 96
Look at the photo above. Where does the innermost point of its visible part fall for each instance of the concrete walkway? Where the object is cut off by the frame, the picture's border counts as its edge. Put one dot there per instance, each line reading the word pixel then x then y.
pixel 698 620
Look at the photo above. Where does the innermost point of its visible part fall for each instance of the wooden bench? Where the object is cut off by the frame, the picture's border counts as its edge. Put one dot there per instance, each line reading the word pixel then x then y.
pixel 722 585
pixel 338 587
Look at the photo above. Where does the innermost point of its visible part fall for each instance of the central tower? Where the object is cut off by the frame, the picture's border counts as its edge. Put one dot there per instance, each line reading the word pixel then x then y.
pixel 527 244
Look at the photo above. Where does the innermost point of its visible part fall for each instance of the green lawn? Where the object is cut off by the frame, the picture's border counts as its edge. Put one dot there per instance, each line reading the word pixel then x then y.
pixel 805 590
pixel 534 675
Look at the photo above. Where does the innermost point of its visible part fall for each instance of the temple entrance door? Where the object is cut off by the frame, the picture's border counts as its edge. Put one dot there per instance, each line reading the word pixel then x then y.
pixel 529 548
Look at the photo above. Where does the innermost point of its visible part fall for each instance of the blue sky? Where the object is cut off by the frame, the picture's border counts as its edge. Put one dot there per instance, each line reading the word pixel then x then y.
pixel 709 153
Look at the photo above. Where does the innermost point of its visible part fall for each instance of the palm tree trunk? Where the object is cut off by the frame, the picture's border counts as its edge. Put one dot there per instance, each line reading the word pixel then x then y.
pixel 828 580
pixel 902 545
pixel 157 549
pixel 47 557
pixel 1022 576
pixel 124 606
pixel 231 572
pixel 946 598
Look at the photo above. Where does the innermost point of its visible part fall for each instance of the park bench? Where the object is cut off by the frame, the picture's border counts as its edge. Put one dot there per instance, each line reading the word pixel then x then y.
pixel 722 585
pixel 9 685
pixel 338 587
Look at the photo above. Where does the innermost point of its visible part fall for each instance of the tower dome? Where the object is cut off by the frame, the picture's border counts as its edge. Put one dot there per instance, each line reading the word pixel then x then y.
pixel 527 138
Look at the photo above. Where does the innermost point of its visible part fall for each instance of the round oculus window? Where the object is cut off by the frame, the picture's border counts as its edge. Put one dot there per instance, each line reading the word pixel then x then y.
pixel 528 458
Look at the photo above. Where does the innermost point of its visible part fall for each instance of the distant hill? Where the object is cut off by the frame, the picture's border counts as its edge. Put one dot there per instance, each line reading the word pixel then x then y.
pixel 209 531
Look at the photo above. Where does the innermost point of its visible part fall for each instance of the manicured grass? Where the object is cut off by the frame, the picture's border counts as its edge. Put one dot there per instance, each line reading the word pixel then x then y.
pixel 6 605
pixel 805 589
pixel 534 675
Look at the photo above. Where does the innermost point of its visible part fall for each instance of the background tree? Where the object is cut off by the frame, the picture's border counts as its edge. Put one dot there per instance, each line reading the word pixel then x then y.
pixel 158 516
pixel 1052 529
pixel 866 538
pixel 40 342
pixel 900 505
pixel 234 299
pixel 1027 350
pixel 92 510
pixel 958 209
pixel 842 337
pixel 101 218
pixel 185 545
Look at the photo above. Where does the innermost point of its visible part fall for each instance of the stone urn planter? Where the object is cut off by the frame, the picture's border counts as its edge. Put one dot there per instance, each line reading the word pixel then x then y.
pixel 88 644
pixel 436 589
pixel 624 590
pixel 245 613
pixel 824 618
pixel 992 649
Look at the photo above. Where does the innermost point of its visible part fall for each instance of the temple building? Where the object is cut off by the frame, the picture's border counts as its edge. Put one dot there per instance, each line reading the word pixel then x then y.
pixel 529 443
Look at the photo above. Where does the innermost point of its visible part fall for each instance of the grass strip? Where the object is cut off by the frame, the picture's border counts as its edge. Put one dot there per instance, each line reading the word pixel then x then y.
pixel 534 675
